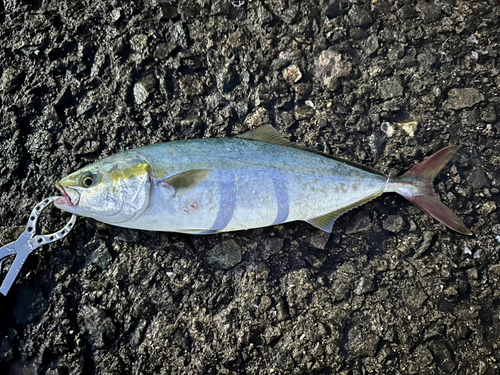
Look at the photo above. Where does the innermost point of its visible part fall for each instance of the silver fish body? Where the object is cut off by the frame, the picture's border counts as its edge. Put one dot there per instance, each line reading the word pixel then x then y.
pixel 223 184
pixel 249 185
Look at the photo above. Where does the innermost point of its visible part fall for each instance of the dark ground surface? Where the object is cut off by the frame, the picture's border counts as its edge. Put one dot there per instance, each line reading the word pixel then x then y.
pixel 385 83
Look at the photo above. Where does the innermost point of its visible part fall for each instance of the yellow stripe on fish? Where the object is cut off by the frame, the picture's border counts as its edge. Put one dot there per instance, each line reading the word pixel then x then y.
pixel 130 171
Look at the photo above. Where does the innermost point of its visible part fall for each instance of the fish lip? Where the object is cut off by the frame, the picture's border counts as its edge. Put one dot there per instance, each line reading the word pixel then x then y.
pixel 66 198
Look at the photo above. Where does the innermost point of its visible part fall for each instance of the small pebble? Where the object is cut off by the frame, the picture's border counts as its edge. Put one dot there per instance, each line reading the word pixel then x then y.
pixel 463 98
pixel 292 74
pixel 224 255
pixel 393 223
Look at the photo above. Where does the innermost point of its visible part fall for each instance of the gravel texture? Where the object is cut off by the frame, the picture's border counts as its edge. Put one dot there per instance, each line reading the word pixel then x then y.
pixel 384 83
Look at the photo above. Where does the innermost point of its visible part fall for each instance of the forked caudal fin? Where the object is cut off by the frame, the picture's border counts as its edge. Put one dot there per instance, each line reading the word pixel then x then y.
pixel 416 185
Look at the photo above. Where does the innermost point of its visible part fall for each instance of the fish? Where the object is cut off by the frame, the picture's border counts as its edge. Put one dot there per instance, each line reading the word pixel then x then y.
pixel 256 179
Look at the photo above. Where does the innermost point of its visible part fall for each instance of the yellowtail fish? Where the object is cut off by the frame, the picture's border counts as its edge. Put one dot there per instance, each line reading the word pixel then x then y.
pixel 256 179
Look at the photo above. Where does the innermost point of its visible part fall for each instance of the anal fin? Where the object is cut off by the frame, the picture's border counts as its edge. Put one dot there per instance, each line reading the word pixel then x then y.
pixel 325 222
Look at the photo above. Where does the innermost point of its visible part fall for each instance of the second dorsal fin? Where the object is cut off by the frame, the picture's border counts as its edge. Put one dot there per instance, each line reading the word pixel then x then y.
pixel 266 133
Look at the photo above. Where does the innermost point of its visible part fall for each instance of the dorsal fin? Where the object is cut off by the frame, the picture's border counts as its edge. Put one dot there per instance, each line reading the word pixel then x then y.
pixel 267 134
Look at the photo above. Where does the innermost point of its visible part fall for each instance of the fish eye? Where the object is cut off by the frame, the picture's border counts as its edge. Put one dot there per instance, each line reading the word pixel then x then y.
pixel 87 180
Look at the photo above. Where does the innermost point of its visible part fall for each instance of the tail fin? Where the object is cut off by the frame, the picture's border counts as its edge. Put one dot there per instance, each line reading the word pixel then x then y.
pixel 418 188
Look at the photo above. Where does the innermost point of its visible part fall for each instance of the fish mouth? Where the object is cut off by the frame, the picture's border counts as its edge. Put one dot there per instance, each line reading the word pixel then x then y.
pixel 70 196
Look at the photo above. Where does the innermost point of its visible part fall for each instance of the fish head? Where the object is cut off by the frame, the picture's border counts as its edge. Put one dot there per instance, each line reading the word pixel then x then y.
pixel 114 190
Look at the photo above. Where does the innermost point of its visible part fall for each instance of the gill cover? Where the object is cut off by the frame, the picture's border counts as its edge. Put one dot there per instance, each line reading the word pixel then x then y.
pixel 114 190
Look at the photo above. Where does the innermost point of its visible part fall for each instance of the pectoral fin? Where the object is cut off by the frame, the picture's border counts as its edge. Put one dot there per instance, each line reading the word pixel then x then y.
pixel 184 181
